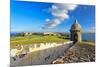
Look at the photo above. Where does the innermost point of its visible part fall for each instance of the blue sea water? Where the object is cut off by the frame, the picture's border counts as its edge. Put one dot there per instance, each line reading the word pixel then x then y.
pixel 12 34
pixel 88 36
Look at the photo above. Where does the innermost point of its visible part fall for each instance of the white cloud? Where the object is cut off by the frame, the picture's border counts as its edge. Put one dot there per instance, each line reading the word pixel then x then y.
pixel 47 20
pixel 68 6
pixel 60 13
pixel 52 23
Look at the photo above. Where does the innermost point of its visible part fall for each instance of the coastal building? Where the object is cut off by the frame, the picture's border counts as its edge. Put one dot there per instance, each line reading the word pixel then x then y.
pixel 51 33
pixel 27 33
pixel 76 32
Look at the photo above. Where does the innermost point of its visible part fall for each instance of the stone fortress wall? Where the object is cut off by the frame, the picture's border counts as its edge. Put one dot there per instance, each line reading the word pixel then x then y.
pixel 42 54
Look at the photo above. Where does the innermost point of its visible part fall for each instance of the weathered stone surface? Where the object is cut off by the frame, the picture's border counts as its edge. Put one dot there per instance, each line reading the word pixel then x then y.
pixel 78 53
pixel 44 55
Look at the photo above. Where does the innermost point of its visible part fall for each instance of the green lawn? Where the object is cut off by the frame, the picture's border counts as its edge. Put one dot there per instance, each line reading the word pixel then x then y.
pixel 35 39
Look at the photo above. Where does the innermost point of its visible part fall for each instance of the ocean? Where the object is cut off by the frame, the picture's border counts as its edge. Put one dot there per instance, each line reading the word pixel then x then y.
pixel 88 36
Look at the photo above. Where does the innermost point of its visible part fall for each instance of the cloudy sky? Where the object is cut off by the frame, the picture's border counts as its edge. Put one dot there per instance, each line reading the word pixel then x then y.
pixel 54 17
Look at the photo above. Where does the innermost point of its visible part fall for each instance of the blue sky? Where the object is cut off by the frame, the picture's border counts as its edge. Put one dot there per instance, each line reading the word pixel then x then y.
pixel 31 16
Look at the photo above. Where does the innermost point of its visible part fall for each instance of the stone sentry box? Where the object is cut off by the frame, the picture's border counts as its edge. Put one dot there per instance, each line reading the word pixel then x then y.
pixel 76 32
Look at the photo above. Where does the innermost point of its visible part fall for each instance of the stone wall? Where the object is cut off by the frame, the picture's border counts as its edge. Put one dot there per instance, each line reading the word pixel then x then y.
pixel 43 55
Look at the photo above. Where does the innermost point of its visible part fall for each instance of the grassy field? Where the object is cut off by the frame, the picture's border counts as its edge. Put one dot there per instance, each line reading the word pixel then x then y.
pixel 35 39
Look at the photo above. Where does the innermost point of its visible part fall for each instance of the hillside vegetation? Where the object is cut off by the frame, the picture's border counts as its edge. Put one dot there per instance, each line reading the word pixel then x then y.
pixel 36 39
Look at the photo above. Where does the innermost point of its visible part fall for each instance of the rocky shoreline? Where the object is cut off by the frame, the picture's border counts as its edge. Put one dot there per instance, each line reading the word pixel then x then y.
pixel 81 52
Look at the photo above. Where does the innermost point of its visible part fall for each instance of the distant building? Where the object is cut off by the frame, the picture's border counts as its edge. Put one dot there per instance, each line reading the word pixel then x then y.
pixel 27 33
pixel 76 32
pixel 50 33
